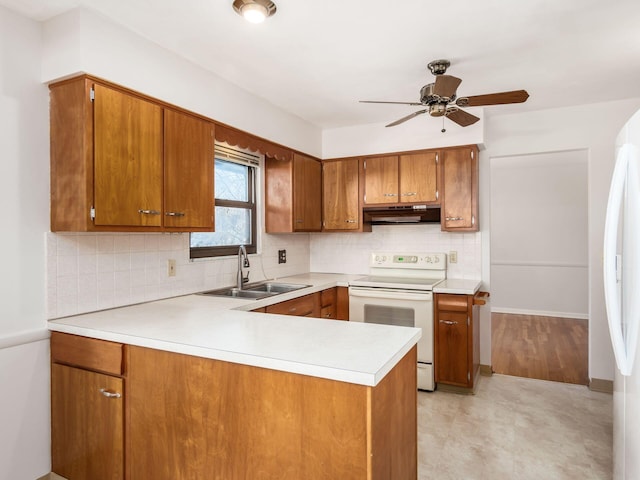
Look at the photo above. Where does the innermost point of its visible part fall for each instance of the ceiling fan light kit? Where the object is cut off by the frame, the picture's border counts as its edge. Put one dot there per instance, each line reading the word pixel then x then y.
pixel 441 100
pixel 254 11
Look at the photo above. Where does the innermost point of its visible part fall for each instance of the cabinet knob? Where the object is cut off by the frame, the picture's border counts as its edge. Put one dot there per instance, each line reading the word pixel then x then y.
pixel 448 322
pixel 149 212
pixel 109 394
pixel 174 214
pixel 350 221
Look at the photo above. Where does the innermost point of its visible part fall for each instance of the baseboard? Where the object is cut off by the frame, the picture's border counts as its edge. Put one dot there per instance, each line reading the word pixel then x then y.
pixel 486 370
pixel 51 476
pixel 540 313
pixel 600 385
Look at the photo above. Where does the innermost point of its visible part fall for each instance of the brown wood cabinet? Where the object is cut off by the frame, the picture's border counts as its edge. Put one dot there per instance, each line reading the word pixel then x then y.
pixel 459 203
pixel 293 196
pixel 457 338
pixel 121 161
pixel 402 179
pixel 342 299
pixel 305 306
pixel 87 408
pixel 193 417
pixel 329 303
pixel 341 195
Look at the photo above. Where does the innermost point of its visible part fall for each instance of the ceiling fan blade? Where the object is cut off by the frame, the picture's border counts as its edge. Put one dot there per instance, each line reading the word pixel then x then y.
pixel 415 104
pixel 408 117
pixel 461 117
pixel 502 98
pixel 446 85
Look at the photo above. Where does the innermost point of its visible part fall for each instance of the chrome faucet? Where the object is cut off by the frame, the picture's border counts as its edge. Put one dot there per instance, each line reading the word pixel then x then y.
pixel 243 261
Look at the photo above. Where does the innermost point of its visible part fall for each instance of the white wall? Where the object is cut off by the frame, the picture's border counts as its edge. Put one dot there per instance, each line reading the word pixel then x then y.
pixel 591 127
pixel 84 41
pixel 24 194
pixel 539 247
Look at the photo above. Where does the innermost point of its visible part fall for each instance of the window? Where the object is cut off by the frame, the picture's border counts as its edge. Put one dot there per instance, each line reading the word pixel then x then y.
pixel 235 206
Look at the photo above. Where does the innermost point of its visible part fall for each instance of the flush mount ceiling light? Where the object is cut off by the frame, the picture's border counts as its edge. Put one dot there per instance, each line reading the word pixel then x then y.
pixel 254 11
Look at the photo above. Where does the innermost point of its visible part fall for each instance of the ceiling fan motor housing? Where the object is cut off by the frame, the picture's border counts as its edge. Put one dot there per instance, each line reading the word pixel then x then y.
pixel 427 97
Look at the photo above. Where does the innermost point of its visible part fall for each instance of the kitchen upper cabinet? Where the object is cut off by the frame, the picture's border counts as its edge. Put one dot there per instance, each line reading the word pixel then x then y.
pixel 293 195
pixel 459 203
pixel 127 159
pixel 123 162
pixel 410 178
pixel 341 194
pixel 188 171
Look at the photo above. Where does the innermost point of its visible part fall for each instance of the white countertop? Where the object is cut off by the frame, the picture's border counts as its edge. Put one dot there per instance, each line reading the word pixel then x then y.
pixel 458 286
pixel 218 328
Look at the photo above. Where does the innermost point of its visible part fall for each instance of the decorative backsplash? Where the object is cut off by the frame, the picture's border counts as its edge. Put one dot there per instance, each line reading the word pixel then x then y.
pixel 95 271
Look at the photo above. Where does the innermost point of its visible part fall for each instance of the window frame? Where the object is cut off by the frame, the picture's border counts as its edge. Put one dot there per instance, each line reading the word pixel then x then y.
pixel 251 205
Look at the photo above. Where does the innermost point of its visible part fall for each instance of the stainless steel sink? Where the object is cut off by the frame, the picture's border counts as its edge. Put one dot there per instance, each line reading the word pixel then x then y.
pixel 256 290
pixel 234 292
pixel 274 288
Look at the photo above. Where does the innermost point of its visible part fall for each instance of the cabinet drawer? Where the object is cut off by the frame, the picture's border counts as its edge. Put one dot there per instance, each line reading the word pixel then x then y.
pixel 328 312
pixel 302 306
pixel 88 353
pixel 328 297
pixel 452 303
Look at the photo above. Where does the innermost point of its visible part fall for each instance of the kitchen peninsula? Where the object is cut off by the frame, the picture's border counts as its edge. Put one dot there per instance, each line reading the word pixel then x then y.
pixel 206 390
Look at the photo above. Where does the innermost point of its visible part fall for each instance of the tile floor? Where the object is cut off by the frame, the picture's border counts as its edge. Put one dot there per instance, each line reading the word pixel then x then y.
pixel 517 429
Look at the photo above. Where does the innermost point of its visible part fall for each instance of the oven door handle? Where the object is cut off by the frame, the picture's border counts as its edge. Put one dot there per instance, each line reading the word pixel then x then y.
pixel 389 293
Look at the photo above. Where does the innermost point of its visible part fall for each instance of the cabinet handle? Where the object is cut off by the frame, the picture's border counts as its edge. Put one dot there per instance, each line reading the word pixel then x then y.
pixel 448 322
pixel 298 220
pixel 174 214
pixel 389 194
pixel 350 221
pixel 409 194
pixel 109 394
pixel 149 212
pixel 454 219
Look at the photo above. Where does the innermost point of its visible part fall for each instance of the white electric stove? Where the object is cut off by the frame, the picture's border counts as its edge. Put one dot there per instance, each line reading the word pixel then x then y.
pixel 398 291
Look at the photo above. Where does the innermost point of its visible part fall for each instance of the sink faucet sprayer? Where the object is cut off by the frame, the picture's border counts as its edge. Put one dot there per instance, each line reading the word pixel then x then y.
pixel 243 261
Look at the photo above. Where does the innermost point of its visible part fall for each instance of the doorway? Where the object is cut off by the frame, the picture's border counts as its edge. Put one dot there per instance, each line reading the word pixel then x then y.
pixel 539 265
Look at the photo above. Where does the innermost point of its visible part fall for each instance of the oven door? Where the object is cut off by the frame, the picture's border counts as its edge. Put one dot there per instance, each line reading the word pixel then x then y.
pixel 397 307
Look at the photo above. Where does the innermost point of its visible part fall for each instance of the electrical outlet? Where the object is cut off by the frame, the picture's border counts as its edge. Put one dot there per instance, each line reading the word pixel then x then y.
pixel 282 256
pixel 171 267
pixel 453 256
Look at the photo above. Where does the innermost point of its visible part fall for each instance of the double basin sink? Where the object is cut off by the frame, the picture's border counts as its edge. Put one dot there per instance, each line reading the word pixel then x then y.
pixel 255 290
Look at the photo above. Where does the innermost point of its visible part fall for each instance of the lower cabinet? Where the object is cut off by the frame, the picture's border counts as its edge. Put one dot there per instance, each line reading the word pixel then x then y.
pixel 457 338
pixel 196 418
pixel 305 306
pixel 87 409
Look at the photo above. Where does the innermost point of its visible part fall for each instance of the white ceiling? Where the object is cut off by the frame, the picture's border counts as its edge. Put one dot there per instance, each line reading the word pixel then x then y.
pixel 317 59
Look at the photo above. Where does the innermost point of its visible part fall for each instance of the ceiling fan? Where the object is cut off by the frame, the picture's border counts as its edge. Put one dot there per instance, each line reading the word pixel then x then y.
pixel 441 100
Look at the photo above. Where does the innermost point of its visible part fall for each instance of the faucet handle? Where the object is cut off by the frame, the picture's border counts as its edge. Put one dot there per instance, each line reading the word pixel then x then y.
pixel 246 262
pixel 246 279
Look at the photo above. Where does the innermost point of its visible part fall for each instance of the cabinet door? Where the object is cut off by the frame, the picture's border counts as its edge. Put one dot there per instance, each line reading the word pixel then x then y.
pixel 188 171
pixel 127 159
pixel 307 194
pixel 340 194
pixel 381 180
pixel 460 190
pixel 419 178
pixel 87 438
pixel 452 356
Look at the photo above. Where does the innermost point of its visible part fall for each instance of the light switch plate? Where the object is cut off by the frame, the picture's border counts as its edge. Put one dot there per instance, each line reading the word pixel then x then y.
pixel 171 268
pixel 453 256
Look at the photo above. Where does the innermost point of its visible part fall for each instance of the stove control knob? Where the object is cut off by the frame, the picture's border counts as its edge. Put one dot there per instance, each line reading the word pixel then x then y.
pixel 437 259
pixel 377 258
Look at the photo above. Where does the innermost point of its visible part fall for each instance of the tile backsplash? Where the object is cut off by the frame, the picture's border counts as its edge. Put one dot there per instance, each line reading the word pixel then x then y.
pixel 94 271
pixel 349 252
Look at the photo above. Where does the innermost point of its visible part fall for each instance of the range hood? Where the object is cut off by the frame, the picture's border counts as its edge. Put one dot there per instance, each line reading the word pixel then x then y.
pixel 401 214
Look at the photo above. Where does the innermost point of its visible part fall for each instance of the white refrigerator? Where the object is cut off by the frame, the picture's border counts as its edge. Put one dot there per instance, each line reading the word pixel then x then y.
pixel 621 259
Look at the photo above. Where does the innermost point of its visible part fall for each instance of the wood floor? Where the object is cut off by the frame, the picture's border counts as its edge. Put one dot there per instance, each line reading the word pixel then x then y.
pixel 546 348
